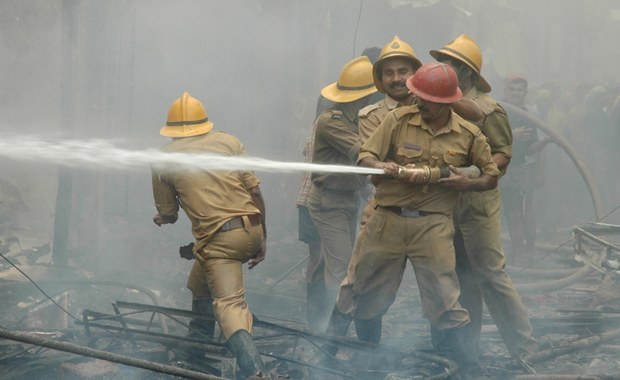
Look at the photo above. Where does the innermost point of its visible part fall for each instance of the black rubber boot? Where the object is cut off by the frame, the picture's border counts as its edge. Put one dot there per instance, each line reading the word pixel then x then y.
pixel 249 361
pixel 440 342
pixel 466 352
pixel 338 326
pixel 369 330
pixel 204 327
pixel 316 310
pixel 338 323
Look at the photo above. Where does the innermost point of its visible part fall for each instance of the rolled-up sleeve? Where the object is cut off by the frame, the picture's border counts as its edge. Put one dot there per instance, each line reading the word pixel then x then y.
pixel 379 143
pixel 340 137
pixel 166 199
pixel 497 129
pixel 481 156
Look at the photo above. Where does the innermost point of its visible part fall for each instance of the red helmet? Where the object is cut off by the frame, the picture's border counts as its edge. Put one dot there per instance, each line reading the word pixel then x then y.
pixel 435 82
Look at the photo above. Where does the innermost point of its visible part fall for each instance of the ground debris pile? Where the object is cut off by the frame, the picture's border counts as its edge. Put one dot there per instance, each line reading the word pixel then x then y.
pixel 140 331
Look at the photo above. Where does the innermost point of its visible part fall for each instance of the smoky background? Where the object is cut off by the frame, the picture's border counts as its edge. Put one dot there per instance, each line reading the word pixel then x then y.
pixel 110 69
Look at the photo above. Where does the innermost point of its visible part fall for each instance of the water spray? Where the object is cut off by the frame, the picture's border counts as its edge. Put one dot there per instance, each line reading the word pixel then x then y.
pixel 103 154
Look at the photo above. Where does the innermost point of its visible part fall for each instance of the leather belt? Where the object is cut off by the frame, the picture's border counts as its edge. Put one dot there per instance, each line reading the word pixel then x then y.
pixel 237 222
pixel 406 212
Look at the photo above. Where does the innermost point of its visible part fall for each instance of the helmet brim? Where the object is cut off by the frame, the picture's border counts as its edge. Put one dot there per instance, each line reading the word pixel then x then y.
pixel 333 93
pixel 437 99
pixel 186 130
pixel 481 84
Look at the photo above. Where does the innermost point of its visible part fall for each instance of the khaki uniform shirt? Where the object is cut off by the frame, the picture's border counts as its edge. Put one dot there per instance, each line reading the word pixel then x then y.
pixel 372 115
pixel 336 142
pixel 209 198
pixel 494 124
pixel 404 137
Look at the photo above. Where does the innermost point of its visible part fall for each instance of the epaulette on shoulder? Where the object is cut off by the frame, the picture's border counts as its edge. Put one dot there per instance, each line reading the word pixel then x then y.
pixel 501 109
pixel 487 104
pixel 471 127
pixel 368 109
pixel 215 133
pixel 336 114
pixel 404 110
pixel 227 135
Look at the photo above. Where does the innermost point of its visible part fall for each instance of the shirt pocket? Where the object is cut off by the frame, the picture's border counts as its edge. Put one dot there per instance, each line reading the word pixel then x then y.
pixel 408 154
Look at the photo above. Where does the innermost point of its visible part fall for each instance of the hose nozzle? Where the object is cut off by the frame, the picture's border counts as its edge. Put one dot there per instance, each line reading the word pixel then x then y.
pixel 434 174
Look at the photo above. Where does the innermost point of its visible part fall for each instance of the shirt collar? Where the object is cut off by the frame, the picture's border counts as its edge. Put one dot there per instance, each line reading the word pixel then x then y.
pixel 391 103
pixel 452 126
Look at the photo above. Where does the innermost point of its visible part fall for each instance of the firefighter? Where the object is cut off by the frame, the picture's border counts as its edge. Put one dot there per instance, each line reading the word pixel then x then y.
pixel 334 198
pixel 413 217
pixel 478 245
pixel 396 63
pixel 227 213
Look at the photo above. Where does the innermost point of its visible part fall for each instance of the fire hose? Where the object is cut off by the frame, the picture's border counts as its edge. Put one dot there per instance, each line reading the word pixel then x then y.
pixel 567 277
pixel 572 275
pixel 560 141
pixel 432 175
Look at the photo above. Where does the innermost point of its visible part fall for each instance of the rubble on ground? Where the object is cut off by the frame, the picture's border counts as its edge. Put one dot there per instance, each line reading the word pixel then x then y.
pixel 577 325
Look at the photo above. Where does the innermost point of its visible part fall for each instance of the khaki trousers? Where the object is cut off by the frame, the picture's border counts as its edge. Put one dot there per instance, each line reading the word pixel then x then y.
pixel 345 302
pixel 334 214
pixel 391 240
pixel 217 273
pixel 480 267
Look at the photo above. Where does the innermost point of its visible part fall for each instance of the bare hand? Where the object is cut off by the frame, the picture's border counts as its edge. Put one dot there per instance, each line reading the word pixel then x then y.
pixel 390 168
pixel 458 181
pixel 260 255
pixel 522 133
pixel 157 219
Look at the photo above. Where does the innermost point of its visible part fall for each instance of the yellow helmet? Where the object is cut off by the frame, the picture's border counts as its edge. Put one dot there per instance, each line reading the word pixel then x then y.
pixel 186 117
pixel 396 48
pixel 466 50
pixel 355 82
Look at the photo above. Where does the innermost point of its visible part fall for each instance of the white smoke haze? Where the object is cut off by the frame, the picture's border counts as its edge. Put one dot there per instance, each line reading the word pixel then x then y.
pixel 85 87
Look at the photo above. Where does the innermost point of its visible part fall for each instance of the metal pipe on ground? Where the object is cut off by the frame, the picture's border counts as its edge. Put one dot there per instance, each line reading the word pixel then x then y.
pixel 573 346
pixel 559 377
pixel 104 355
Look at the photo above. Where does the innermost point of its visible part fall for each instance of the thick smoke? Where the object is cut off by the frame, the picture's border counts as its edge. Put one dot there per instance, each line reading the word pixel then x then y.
pixel 110 69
